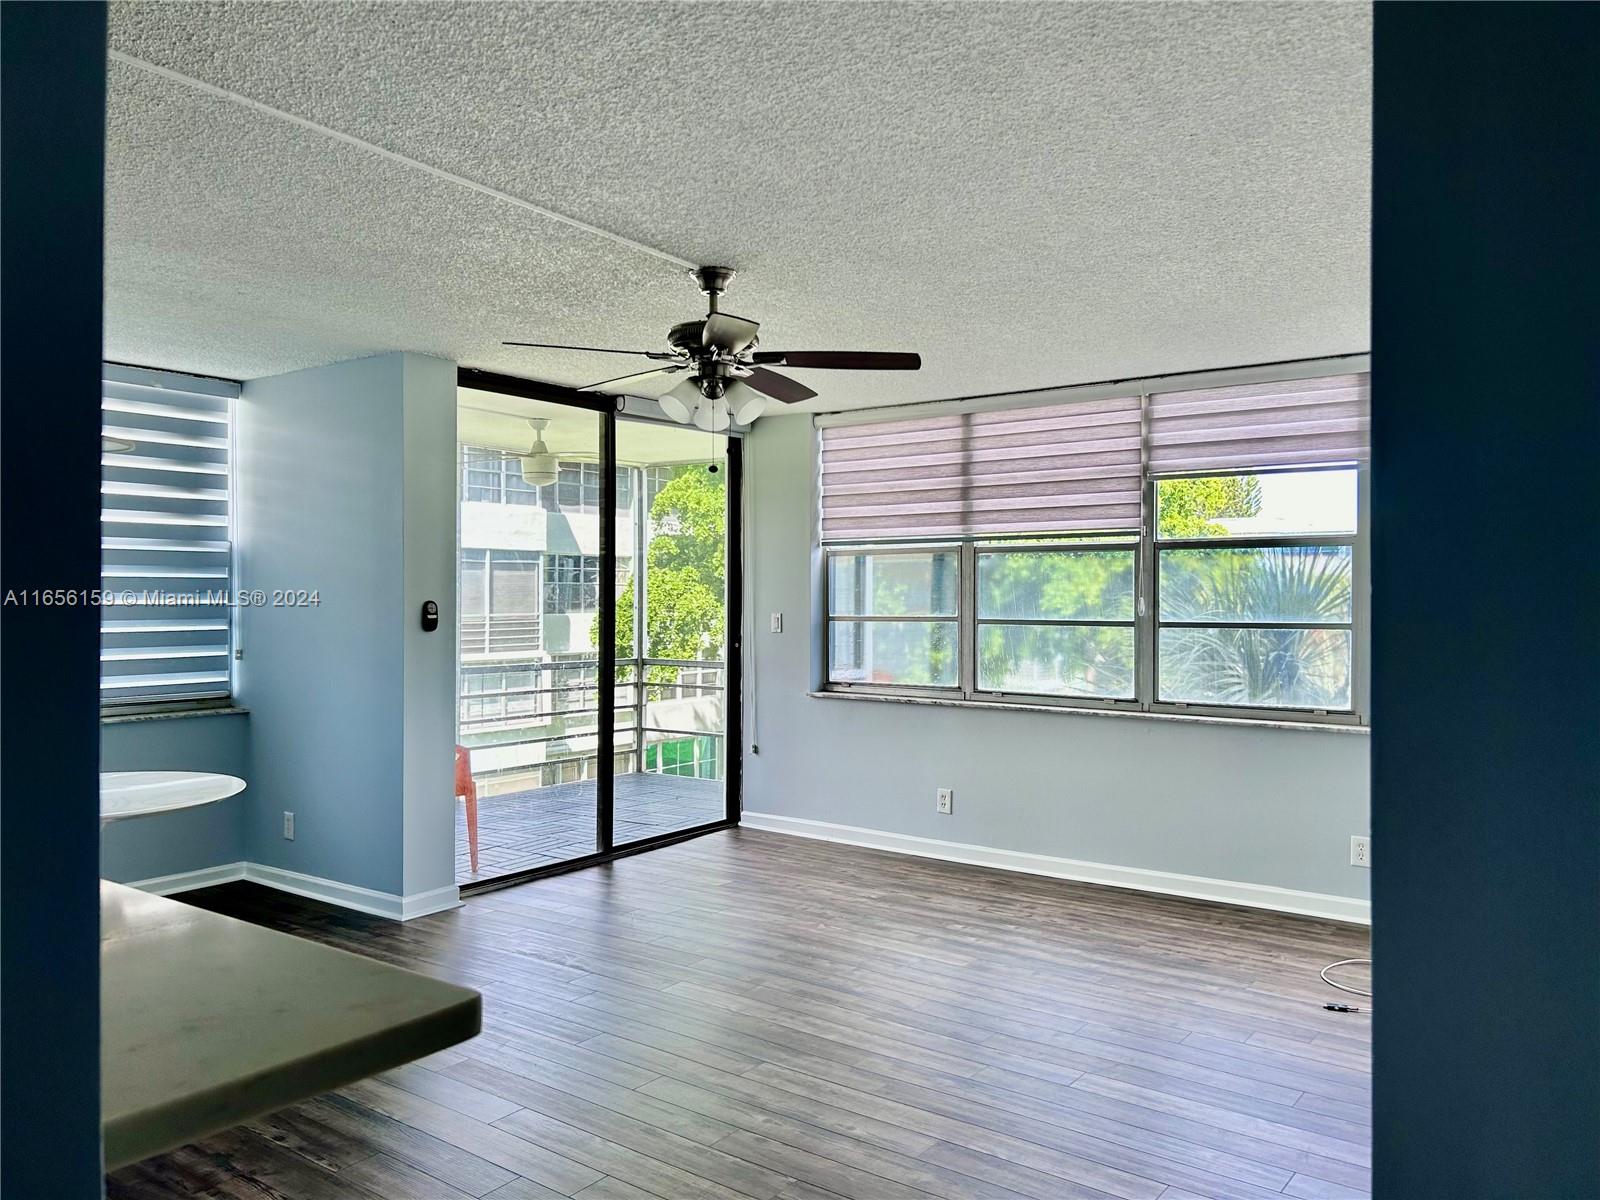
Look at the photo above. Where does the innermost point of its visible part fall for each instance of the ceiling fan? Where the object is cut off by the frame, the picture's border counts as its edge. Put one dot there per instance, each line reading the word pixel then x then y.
pixel 539 466
pixel 728 376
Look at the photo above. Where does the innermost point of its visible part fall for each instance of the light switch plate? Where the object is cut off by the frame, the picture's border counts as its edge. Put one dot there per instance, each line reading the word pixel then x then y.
pixel 777 622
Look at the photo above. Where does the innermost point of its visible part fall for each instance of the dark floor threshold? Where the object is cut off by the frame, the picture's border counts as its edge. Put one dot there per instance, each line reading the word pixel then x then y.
pixel 591 860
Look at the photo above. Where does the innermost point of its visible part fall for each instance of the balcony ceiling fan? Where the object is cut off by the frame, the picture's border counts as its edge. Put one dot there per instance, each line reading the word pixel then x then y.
pixel 728 377
pixel 540 467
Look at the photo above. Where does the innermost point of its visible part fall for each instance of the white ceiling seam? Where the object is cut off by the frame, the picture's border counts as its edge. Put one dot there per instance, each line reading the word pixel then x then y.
pixel 393 156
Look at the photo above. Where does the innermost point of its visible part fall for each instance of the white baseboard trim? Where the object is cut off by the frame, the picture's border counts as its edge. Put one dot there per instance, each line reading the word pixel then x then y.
pixel 1194 887
pixel 313 887
pixel 424 904
pixel 187 881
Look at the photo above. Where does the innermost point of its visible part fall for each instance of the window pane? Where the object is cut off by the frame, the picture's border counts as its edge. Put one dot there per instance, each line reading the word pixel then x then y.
pixel 1270 504
pixel 1057 660
pixel 1273 668
pixel 918 653
pixel 1281 583
pixel 1064 585
pixel 894 585
pixel 513 584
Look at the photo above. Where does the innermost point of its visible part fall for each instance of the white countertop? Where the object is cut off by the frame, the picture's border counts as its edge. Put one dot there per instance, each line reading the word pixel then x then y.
pixel 207 1021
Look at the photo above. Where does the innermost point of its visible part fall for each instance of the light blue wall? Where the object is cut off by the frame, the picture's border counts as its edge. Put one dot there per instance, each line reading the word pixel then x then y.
pixel 210 836
pixel 1247 804
pixel 326 458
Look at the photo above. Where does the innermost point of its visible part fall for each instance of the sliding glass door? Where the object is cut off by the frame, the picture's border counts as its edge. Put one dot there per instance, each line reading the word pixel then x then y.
pixel 672 632
pixel 591 546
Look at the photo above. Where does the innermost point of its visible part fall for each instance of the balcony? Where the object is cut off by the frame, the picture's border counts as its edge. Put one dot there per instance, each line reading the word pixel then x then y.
pixel 532 730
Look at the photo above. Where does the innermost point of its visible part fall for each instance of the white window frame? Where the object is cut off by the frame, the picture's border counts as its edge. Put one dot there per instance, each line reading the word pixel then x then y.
pixel 1145 545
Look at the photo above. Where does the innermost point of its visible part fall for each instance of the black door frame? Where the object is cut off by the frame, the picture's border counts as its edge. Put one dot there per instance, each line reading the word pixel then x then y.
pixel 605 766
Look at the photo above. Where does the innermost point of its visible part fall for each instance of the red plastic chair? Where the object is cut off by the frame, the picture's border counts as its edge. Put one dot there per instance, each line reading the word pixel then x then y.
pixel 468 791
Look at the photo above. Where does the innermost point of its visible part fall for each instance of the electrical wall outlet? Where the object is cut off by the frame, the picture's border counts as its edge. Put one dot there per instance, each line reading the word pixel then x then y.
pixel 777 622
pixel 288 826
pixel 1360 852
pixel 947 800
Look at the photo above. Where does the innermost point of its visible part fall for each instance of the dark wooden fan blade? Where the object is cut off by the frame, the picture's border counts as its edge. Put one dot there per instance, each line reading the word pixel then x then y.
pixel 841 360
pixel 728 332
pixel 779 387
pixel 590 349
pixel 637 377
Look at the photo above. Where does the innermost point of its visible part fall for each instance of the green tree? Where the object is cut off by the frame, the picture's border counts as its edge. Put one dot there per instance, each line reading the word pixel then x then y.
pixel 1189 507
pixel 686 565
pixel 1297 668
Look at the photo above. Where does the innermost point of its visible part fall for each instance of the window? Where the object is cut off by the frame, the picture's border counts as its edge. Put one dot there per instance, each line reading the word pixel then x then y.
pixel 491 477
pixel 1196 550
pixel 573 585
pixel 166 539
pixel 495 477
pixel 578 488
pixel 1255 587
pixel 894 618
pixel 1056 622
pixel 572 582
pixel 499 592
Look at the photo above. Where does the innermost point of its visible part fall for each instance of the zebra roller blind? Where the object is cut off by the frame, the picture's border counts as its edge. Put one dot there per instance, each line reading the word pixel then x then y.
pixel 1048 469
pixel 1302 423
pixel 166 553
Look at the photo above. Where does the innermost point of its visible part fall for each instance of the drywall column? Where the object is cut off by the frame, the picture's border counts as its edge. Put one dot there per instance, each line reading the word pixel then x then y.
pixel 346 524
pixel 52 118
pixel 1486 685
pixel 429 716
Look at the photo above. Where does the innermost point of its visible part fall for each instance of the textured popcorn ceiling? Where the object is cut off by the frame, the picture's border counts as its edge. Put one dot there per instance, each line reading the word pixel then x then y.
pixel 1028 194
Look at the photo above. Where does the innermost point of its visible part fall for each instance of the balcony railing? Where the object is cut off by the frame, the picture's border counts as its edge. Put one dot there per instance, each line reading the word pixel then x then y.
pixel 675 717
pixel 500 634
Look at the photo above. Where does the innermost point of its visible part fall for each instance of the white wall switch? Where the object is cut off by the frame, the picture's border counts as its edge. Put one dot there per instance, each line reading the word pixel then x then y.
pixel 947 800
pixel 1360 852
pixel 288 825
pixel 777 622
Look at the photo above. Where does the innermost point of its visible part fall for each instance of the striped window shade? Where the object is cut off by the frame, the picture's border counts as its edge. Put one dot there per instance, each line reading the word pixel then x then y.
pixel 1060 468
pixel 166 554
pixel 1302 423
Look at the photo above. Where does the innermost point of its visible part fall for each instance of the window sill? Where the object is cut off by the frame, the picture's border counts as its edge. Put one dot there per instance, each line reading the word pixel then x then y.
pixel 172 714
pixel 1120 714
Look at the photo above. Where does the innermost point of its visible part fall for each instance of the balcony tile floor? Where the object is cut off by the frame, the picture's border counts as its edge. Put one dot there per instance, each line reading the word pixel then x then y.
pixel 524 830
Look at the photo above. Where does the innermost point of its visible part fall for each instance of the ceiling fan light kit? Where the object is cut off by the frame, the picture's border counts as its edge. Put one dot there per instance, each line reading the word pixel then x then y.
pixel 540 470
pixel 681 402
pixel 729 379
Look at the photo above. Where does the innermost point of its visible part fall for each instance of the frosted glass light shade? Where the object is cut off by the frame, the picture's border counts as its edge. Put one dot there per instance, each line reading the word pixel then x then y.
pixel 680 403
pixel 745 404
pixel 713 416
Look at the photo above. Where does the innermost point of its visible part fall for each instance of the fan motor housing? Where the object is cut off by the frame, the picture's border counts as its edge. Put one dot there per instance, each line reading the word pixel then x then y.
pixel 687 337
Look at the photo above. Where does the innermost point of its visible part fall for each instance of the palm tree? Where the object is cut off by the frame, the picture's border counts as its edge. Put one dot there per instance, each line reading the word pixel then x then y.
pixel 1292 666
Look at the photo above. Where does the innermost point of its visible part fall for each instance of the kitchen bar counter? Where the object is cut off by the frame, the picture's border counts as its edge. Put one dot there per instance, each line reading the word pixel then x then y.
pixel 207 1021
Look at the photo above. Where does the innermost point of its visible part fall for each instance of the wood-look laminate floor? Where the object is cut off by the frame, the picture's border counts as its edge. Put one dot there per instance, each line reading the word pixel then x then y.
pixel 753 1015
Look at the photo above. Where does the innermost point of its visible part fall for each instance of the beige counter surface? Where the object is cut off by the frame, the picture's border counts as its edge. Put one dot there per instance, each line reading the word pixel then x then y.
pixel 207 1021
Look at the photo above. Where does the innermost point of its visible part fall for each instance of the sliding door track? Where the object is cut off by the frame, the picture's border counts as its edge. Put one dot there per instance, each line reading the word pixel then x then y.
pixel 593 860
